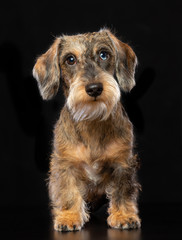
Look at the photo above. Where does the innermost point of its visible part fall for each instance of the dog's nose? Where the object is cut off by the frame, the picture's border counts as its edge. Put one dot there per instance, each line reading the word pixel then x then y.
pixel 94 89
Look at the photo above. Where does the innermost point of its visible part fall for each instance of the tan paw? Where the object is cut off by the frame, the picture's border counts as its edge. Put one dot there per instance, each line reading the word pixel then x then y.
pixel 120 221
pixel 68 221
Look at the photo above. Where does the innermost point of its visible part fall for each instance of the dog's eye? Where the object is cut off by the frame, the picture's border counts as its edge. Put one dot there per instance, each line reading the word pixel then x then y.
pixel 104 55
pixel 71 60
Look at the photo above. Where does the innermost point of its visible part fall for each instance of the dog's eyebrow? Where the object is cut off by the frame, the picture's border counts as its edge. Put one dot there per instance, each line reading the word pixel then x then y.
pixel 104 46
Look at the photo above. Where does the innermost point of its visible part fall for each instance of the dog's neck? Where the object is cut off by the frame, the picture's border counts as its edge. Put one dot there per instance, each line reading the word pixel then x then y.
pixel 100 132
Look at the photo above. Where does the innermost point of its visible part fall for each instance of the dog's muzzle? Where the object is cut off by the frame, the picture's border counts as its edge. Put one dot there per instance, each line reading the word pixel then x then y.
pixel 94 89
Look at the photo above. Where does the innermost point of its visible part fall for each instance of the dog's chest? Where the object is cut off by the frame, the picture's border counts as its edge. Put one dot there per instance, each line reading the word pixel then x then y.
pixel 99 163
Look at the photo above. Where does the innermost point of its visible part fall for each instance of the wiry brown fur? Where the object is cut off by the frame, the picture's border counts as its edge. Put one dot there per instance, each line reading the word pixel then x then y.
pixel 93 138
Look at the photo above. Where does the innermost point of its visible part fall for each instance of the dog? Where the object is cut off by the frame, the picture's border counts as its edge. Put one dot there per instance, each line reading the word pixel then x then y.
pixel 93 138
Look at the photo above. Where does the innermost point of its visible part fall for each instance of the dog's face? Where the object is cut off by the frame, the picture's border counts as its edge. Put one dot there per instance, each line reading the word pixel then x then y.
pixel 93 68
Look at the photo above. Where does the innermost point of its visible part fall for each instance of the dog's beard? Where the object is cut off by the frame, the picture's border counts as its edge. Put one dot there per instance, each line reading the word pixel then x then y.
pixel 83 107
pixel 90 111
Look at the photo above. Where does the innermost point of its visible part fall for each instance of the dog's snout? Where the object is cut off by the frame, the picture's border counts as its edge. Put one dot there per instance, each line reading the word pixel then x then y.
pixel 94 89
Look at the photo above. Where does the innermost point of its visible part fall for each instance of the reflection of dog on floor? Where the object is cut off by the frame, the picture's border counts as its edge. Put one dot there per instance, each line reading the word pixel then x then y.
pixel 93 138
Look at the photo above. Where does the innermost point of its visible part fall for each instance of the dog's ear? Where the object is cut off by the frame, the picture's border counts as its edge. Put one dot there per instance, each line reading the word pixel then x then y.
pixel 126 62
pixel 47 71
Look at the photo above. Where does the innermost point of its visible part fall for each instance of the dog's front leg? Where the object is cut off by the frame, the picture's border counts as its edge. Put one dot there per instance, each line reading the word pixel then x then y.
pixel 122 192
pixel 69 208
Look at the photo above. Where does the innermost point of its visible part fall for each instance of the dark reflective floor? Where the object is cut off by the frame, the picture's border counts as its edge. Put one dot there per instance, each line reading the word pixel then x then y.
pixel 159 221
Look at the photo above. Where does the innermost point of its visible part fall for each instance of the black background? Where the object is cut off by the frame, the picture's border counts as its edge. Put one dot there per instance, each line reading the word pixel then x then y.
pixel 27 29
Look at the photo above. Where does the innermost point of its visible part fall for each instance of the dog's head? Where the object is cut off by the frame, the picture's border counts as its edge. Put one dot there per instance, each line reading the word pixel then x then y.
pixel 93 68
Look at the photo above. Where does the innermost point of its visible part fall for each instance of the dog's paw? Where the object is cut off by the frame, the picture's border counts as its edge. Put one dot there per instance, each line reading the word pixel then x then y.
pixel 119 221
pixel 68 221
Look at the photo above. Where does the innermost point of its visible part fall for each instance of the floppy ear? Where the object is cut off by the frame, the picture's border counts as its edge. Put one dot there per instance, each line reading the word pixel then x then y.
pixel 126 62
pixel 47 72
